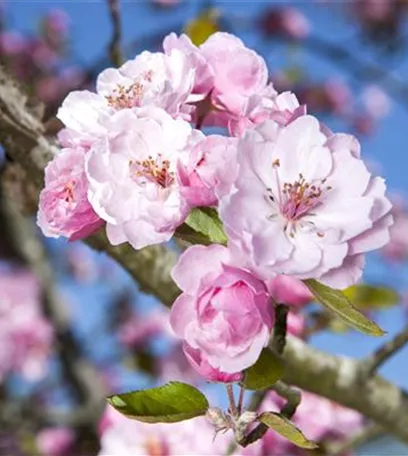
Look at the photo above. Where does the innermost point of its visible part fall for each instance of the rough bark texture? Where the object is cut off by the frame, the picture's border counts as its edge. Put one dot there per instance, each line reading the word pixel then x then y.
pixel 336 378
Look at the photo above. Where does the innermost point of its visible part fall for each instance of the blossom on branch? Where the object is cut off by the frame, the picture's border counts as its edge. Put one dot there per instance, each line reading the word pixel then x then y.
pixel 132 172
pixel 64 209
pixel 305 204
pixel 224 315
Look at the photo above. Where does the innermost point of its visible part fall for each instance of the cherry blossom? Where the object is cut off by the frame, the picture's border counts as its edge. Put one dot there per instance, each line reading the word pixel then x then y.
pixel 133 182
pixel 25 335
pixel 305 204
pixel 210 171
pixel 151 79
pixel 126 437
pixel 64 209
pixel 224 315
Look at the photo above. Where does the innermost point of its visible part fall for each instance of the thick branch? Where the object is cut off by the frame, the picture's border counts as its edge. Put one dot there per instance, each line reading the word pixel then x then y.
pixel 336 378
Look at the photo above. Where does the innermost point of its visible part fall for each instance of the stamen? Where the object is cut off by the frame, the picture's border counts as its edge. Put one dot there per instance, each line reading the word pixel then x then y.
pixel 154 170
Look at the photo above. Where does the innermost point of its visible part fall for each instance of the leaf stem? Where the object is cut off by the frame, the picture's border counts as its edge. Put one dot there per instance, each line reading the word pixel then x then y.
pixel 241 399
pixel 292 396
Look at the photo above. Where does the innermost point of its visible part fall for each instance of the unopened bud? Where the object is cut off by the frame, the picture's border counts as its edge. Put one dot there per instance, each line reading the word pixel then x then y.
pixel 218 418
pixel 247 418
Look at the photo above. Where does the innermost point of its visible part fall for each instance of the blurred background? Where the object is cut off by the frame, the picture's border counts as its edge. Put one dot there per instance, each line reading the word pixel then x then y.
pixel 88 330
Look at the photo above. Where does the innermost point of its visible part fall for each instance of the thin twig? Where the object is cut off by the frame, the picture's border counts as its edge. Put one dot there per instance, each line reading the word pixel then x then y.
pixel 292 396
pixel 364 435
pixel 384 353
pixel 280 327
pixel 115 50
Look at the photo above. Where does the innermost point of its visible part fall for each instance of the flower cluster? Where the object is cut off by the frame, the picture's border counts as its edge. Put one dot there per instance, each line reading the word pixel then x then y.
pixel 318 417
pixel 25 335
pixel 127 437
pixel 296 200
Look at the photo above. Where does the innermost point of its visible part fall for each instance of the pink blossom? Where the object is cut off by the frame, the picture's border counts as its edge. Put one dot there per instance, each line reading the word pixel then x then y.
pixel 204 74
pixel 133 175
pixel 210 171
pixel 239 72
pixel 288 290
pixel 376 102
pixel 305 204
pixel 12 43
pixel 224 314
pixel 55 441
pixel 317 417
pixel 151 79
pixel 289 22
pixel 397 248
pixel 64 209
pixel 296 324
pixel 137 331
pixel 125 437
pixel 225 69
pixel 25 335
pixel 282 108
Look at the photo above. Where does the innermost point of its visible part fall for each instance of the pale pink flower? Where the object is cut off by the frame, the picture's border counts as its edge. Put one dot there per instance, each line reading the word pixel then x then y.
pixel 25 335
pixel 289 22
pixel 288 290
pixel 210 171
pixel 125 437
pixel 204 74
pixel 239 72
pixel 317 417
pixel 151 79
pixel 283 108
pixel 56 441
pixel 224 314
pixel 137 331
pixel 133 182
pixel 225 68
pixel 296 324
pixel 397 247
pixel 376 102
pixel 305 204
pixel 64 209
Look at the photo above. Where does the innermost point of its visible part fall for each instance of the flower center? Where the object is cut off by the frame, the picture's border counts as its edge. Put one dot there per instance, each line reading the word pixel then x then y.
pixel 295 200
pixel 155 447
pixel 298 198
pixel 131 96
pixel 153 170
pixel 68 192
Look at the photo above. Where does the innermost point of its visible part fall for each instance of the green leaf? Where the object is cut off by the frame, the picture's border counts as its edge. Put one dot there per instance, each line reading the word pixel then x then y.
pixel 169 403
pixel 372 297
pixel 287 429
pixel 338 303
pixel 264 373
pixel 203 26
pixel 205 221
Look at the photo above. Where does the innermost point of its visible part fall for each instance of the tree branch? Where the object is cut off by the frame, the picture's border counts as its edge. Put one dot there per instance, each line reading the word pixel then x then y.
pixel 384 353
pixel 336 378
pixel 82 378
pixel 114 47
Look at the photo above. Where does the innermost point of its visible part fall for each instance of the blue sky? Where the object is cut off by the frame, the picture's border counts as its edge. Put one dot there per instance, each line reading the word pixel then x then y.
pixel 91 34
